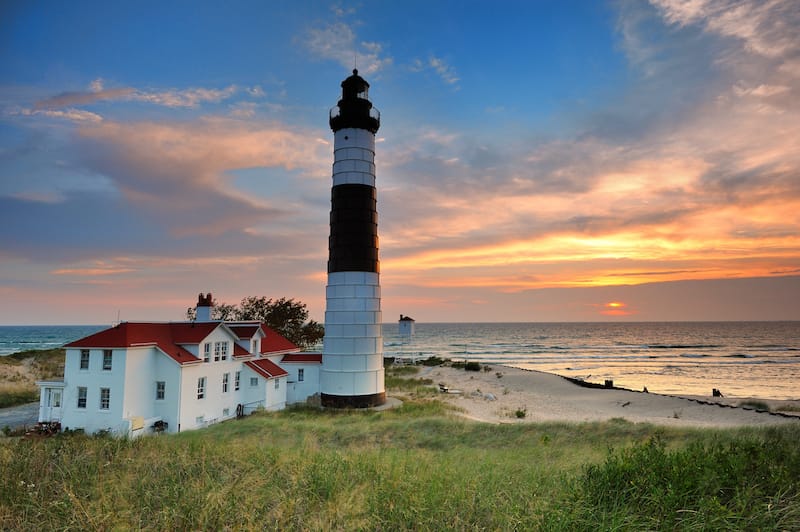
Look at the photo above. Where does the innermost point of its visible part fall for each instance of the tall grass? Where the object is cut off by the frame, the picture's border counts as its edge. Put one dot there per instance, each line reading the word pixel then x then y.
pixel 746 482
pixel 415 467
pixel 19 371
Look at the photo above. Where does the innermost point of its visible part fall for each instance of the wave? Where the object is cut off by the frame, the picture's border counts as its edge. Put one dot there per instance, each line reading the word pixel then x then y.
pixel 682 346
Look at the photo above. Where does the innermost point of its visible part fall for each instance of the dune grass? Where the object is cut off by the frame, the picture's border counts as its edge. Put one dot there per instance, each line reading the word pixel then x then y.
pixel 415 467
pixel 19 371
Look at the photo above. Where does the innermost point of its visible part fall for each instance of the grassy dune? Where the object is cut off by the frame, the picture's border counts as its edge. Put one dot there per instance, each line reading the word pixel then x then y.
pixel 20 371
pixel 415 467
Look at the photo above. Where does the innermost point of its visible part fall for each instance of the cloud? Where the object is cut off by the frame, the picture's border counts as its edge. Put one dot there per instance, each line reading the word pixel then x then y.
pixel 703 183
pixel 337 42
pixel 445 71
pixel 191 97
pixel 73 115
pixel 185 97
pixel 67 99
pixel 767 28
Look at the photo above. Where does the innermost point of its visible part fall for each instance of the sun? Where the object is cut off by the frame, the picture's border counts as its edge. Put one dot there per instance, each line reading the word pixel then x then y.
pixel 615 308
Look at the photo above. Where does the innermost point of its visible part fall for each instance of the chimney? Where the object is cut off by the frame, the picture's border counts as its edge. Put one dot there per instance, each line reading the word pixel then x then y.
pixel 203 308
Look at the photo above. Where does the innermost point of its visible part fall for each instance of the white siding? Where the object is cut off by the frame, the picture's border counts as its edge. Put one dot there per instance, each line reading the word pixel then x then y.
pixel 93 418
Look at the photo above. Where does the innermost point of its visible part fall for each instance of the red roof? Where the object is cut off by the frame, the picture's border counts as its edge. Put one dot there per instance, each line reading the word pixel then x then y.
pixel 170 338
pixel 274 343
pixel 303 357
pixel 167 336
pixel 239 351
pixel 244 330
pixel 266 368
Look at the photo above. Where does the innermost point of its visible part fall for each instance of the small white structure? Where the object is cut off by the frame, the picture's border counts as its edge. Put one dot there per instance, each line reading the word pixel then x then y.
pixel 137 378
pixel 406 326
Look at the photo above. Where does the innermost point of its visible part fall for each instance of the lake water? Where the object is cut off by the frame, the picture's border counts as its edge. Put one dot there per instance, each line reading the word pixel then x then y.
pixel 741 359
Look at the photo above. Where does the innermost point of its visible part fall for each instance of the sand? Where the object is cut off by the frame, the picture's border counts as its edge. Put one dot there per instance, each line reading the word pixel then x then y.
pixel 495 397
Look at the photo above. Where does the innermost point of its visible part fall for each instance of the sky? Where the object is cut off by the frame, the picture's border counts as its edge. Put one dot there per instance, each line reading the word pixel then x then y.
pixel 537 161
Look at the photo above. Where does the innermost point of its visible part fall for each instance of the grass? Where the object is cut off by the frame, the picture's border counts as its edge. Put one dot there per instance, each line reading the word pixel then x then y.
pixel 17 395
pixel 757 405
pixel 19 371
pixel 415 467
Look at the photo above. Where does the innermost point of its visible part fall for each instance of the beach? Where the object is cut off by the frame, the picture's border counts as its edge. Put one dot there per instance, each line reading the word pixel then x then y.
pixel 504 393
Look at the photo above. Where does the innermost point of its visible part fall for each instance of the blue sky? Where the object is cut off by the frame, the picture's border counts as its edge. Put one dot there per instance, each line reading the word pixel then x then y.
pixel 537 161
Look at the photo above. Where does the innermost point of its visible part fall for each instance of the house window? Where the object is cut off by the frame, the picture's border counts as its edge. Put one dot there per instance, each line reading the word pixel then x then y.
pixel 236 378
pixel 226 412
pixel 206 351
pixel 199 420
pixel 225 380
pixel 84 359
pixel 253 344
pixel 201 387
pixel 54 398
pixel 253 381
pixel 277 383
pixel 107 359
pixel 161 388
pixel 105 398
pixel 217 349
pixel 300 374
pixel 224 351
pixel 81 396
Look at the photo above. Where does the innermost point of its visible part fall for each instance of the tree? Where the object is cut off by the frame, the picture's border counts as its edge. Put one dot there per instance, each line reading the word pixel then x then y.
pixel 287 317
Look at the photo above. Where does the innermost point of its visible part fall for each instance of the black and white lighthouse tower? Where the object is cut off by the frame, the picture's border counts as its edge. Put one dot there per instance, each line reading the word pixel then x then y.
pixel 352 355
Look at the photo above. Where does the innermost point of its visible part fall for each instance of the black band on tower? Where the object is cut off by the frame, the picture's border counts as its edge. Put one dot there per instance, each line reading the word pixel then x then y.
pixel 352 401
pixel 353 244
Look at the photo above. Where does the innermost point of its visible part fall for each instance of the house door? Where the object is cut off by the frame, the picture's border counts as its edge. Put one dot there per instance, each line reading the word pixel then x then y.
pixel 52 405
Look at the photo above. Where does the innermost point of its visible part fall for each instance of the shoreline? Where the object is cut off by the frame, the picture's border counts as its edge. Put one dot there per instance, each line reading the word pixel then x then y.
pixel 500 395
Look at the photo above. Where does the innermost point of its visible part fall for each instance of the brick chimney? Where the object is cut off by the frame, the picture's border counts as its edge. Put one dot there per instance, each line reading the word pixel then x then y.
pixel 203 308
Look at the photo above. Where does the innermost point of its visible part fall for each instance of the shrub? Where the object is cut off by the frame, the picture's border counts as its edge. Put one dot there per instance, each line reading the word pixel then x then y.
pixel 743 483
pixel 472 366
pixel 521 413
pixel 758 405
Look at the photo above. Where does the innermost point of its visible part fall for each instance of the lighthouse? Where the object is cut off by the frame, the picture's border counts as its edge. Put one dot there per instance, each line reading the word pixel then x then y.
pixel 352 354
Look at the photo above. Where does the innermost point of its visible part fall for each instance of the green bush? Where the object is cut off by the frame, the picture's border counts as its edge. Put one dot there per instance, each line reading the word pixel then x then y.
pixel 758 405
pixel 746 483
pixel 16 397
pixel 472 366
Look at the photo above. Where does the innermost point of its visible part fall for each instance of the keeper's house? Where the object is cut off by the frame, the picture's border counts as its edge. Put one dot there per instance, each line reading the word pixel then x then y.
pixel 138 378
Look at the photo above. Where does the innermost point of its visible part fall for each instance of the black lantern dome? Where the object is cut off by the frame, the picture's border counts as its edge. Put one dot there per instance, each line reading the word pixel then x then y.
pixel 355 110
